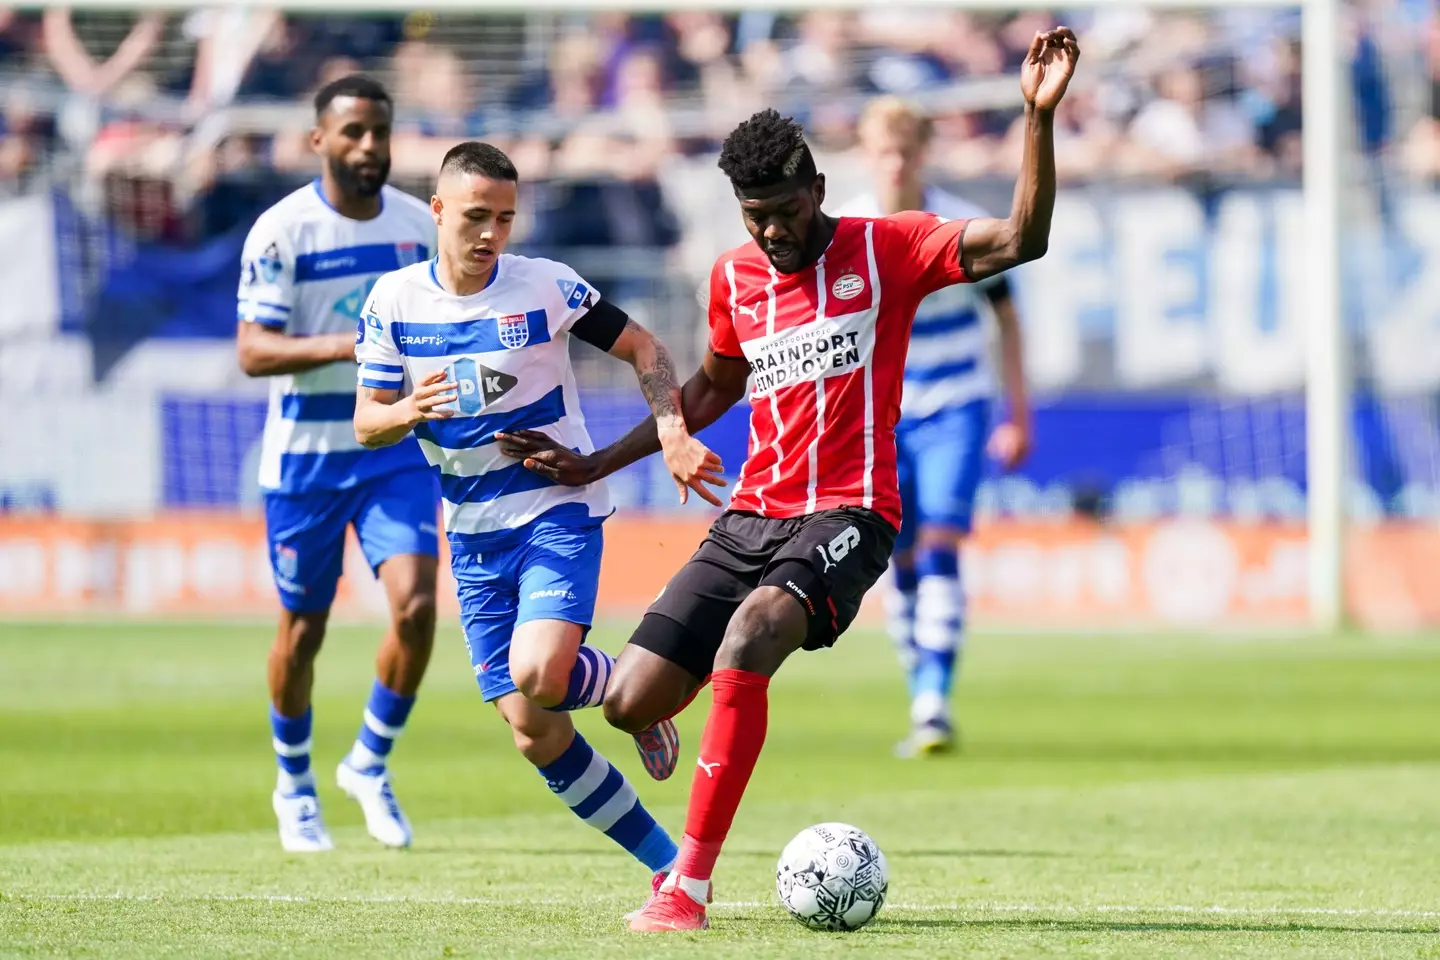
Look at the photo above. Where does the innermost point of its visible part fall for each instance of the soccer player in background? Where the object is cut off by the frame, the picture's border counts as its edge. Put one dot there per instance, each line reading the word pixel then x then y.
pixel 308 265
pixel 815 313
pixel 940 440
pixel 474 342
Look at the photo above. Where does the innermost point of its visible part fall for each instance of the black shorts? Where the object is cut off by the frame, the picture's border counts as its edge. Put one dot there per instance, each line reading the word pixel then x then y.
pixel 826 560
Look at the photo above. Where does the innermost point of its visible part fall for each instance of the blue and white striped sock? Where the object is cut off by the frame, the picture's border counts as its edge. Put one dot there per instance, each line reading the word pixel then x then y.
pixel 385 717
pixel 900 619
pixel 291 738
pixel 939 631
pixel 588 679
pixel 600 795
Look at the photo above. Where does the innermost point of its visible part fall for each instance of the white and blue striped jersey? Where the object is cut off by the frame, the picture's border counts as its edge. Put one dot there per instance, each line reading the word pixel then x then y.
pixel 508 350
pixel 307 270
pixel 949 360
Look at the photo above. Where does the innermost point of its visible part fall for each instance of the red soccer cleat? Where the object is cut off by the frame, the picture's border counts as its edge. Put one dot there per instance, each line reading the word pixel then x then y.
pixel 670 909
pixel 659 749
pixel 656 883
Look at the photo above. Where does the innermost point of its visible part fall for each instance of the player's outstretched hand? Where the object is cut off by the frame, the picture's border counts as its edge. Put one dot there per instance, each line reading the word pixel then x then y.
pixel 692 465
pixel 544 456
pixel 1048 67
pixel 430 396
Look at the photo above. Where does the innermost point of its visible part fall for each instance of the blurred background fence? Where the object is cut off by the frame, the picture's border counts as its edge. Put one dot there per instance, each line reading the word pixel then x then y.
pixel 1165 329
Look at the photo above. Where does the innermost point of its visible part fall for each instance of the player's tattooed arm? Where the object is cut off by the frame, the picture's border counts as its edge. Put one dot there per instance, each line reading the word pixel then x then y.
pixel 990 245
pixel 267 353
pixel 383 417
pixel 716 387
pixel 692 465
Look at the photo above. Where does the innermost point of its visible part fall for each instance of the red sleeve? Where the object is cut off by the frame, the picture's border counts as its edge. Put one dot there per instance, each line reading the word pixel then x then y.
pixel 926 249
pixel 723 340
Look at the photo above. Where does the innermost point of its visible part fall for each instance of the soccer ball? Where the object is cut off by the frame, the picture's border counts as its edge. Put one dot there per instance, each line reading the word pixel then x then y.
pixel 832 876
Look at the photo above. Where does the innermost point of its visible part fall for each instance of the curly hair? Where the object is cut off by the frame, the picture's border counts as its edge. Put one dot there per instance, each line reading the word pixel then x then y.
pixel 765 151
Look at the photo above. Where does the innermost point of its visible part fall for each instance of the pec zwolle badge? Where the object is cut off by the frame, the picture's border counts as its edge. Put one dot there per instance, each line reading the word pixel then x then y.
pixel 514 331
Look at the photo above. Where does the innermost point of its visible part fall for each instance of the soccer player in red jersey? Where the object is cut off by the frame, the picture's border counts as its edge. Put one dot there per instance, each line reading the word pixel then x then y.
pixel 815 314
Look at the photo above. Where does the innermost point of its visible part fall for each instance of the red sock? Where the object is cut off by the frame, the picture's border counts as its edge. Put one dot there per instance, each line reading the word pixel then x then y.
pixel 729 748
pixel 689 698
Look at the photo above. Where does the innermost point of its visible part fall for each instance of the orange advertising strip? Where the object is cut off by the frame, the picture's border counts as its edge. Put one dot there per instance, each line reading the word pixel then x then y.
pixel 1184 574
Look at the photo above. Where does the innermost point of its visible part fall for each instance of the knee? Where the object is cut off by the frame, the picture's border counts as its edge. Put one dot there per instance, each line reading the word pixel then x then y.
pixel 545 682
pixel 300 640
pixel 415 617
pixel 627 708
pixel 765 630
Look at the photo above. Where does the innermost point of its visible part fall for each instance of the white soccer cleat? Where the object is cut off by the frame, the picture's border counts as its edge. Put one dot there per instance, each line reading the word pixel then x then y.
pixel 383 816
pixel 301 828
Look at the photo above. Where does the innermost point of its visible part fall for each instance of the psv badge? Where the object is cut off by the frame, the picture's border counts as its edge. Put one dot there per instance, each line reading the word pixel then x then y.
pixel 514 331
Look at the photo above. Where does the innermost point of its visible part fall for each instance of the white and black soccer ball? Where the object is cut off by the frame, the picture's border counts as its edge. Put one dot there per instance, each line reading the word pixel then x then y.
pixel 832 876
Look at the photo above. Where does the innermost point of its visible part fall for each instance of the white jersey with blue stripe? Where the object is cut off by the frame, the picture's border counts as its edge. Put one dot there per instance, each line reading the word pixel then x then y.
pixel 508 350
pixel 949 360
pixel 307 270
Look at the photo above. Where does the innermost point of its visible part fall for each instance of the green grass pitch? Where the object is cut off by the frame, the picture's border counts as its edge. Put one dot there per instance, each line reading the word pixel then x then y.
pixel 1136 797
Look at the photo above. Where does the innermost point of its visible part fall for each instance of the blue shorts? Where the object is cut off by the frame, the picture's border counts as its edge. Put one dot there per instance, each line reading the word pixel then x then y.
pixel 940 460
pixel 392 514
pixel 551 573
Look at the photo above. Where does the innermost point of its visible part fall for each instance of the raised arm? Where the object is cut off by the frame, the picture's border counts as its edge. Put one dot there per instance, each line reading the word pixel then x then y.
pixel 991 245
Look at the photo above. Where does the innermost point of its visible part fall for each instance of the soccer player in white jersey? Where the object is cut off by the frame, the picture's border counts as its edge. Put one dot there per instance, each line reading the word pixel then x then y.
pixel 308 265
pixel 458 351
pixel 941 437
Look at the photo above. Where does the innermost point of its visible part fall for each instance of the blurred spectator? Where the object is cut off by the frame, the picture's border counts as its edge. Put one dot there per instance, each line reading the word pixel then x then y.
pixel 821 61
pixel 80 70
pixel 19 37
pixel 1422 146
pixel 1275 106
pixel 1182 131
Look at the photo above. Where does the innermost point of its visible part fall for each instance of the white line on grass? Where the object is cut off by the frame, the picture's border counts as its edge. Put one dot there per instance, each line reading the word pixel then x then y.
pixel 976 907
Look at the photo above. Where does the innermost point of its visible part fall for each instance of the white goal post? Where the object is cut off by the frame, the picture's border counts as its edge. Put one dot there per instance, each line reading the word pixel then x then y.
pixel 1327 383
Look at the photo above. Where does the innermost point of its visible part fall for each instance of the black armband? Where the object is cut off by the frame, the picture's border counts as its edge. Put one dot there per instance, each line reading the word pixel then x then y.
pixel 601 325
pixel 997 290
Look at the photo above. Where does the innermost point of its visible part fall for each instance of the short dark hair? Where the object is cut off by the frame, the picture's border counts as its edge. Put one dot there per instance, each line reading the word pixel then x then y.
pixel 481 159
pixel 765 151
pixel 354 85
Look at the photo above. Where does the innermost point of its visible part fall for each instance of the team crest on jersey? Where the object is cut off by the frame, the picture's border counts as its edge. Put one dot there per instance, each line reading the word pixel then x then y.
pixel 287 561
pixel 408 253
pixel 848 287
pixel 514 330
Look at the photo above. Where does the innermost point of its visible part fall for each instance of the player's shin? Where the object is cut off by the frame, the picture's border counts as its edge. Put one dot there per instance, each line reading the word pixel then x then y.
pixel 291 738
pixel 729 749
pixel 939 626
pixel 900 617
pixel 598 793
pixel 385 716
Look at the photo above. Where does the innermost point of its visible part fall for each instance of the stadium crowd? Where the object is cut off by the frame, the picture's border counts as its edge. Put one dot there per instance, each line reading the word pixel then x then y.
pixel 184 123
